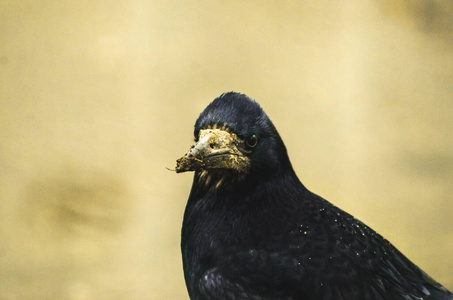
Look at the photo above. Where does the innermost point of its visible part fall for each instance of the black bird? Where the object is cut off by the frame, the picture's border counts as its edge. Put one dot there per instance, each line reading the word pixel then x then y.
pixel 252 230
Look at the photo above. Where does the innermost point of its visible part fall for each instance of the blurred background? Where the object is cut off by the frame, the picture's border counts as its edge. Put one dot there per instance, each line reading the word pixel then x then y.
pixel 98 98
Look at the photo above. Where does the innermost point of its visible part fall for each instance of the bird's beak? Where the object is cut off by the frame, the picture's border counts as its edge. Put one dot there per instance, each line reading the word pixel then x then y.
pixel 215 149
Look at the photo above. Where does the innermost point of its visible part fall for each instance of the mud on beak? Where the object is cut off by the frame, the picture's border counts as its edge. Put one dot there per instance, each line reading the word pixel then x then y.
pixel 215 149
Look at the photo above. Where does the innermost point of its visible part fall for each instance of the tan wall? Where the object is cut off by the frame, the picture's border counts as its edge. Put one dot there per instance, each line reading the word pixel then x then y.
pixel 97 98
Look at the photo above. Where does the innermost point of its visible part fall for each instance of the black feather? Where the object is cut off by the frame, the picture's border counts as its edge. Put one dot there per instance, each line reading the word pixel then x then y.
pixel 268 237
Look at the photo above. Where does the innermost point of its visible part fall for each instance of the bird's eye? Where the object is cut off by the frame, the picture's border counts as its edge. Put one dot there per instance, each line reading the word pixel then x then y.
pixel 252 141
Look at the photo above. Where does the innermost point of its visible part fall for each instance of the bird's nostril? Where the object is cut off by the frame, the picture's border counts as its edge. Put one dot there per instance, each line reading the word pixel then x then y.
pixel 211 144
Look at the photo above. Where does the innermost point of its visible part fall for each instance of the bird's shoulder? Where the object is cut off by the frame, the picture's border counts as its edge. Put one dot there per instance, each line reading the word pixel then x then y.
pixel 340 252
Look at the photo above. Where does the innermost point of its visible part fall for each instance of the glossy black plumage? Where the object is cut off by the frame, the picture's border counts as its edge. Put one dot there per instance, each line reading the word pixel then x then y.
pixel 263 235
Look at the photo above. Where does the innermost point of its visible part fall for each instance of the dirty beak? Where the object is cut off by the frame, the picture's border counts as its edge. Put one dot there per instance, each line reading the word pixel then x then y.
pixel 215 149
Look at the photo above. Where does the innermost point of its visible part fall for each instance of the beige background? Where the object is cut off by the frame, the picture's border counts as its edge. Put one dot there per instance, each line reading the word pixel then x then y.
pixel 97 98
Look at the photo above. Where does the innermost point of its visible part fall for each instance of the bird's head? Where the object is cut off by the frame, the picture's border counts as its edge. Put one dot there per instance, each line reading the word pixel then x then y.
pixel 234 139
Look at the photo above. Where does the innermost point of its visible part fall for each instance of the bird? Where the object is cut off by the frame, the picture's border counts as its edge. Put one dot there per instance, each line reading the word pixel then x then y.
pixel 252 230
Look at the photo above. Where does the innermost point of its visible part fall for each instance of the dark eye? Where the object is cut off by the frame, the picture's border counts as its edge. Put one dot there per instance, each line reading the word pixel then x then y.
pixel 252 141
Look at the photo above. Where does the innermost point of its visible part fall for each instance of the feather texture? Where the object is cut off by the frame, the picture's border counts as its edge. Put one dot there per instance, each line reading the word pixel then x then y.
pixel 266 236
